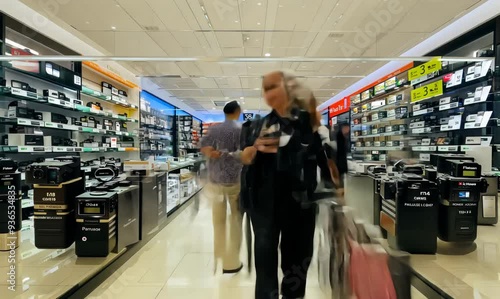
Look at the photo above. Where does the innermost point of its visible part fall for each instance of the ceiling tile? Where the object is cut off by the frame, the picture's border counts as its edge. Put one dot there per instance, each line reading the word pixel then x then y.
pixel 169 14
pixel 95 19
pixel 253 16
pixel 253 52
pixel 186 39
pixel 143 14
pixel 212 93
pixel 233 52
pixel 230 39
pixel 205 82
pixel 136 44
pixel 167 42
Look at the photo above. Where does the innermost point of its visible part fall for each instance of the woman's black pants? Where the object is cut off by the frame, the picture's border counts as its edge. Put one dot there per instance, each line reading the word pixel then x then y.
pixel 286 217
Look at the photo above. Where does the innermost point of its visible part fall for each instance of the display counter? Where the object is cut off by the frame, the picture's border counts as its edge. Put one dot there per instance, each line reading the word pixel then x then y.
pixel 59 273
pixel 359 195
pixel 455 271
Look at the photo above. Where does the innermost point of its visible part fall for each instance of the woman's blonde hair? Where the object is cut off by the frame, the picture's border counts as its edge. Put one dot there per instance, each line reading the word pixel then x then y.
pixel 300 96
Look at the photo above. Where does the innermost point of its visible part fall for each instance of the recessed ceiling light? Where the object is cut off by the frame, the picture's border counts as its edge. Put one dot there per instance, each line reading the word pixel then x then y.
pixel 87 22
pixel 236 21
pixel 113 27
pixel 259 4
pixel 213 108
pixel 258 23
pixel 249 67
pixel 333 93
pixel 242 98
pixel 267 54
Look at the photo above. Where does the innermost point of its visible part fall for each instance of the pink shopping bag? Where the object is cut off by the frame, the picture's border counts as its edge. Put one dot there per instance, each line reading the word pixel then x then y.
pixel 369 273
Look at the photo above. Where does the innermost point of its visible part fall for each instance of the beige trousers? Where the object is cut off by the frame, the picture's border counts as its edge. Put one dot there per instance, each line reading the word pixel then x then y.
pixel 226 248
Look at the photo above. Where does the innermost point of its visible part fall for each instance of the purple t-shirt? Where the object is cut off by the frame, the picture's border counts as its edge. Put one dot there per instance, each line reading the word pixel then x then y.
pixel 224 137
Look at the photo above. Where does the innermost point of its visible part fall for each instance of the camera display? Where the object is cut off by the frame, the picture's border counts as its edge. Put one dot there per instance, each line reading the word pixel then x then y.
pixel 53 172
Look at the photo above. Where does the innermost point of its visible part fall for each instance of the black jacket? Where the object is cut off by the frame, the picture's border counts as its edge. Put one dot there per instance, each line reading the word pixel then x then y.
pixel 296 163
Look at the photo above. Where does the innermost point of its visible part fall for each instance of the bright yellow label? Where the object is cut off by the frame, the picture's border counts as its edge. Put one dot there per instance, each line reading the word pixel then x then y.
pixel 429 67
pixel 427 91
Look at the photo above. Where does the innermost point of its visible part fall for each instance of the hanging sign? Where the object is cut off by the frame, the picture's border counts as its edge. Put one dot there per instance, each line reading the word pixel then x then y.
pixel 247 116
pixel 431 90
pixel 424 69
pixel 339 107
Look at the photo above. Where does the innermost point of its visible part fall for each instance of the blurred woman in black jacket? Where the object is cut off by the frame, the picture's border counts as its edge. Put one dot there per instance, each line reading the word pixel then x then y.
pixel 342 140
pixel 279 184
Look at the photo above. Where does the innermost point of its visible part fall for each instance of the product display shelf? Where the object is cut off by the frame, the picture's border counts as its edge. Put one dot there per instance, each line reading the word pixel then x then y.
pixel 100 96
pixel 112 96
pixel 446 120
pixel 63 105
pixel 196 132
pixel 157 127
pixel 379 148
pixel 379 119
pixel 185 125
pixel 182 183
pixel 156 132
pixel 393 91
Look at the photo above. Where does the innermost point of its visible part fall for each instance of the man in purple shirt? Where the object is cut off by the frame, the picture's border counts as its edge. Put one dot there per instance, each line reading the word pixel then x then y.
pixel 224 171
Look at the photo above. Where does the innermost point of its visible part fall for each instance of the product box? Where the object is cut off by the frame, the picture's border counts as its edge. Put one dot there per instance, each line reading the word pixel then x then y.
pixel 142 167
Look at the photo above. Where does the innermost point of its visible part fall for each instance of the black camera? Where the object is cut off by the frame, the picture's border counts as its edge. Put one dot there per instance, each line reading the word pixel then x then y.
pixel 60 170
pixel 105 173
pixel 460 185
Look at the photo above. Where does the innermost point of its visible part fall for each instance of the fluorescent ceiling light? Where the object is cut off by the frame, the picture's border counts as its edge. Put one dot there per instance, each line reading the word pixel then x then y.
pixel 221 59
pixel 19 46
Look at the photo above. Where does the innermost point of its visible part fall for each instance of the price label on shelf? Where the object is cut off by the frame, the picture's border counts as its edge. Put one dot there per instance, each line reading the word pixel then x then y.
pixel 424 69
pixel 427 91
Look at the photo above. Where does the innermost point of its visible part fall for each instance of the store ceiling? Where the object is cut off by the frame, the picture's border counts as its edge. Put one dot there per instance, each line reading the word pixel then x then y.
pixel 282 28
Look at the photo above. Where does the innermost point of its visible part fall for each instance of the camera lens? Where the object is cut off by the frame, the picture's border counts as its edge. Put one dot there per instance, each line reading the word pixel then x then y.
pixel 38 174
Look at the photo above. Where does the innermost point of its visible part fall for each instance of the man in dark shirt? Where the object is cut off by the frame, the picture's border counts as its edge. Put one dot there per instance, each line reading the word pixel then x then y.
pixel 224 171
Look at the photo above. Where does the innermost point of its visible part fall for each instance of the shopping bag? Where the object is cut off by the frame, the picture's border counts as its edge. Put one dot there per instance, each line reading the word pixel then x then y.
pixel 369 273
pixel 333 249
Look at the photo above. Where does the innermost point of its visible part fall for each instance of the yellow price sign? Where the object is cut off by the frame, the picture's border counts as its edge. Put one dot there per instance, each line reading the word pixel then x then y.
pixel 427 91
pixel 424 69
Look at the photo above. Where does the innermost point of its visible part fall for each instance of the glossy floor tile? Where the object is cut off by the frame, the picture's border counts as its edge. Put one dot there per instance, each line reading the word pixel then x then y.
pixel 178 264
pixel 44 273
pixel 465 271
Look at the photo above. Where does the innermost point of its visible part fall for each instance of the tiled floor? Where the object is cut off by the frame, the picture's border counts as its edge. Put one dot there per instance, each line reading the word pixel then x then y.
pixel 45 273
pixel 178 264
